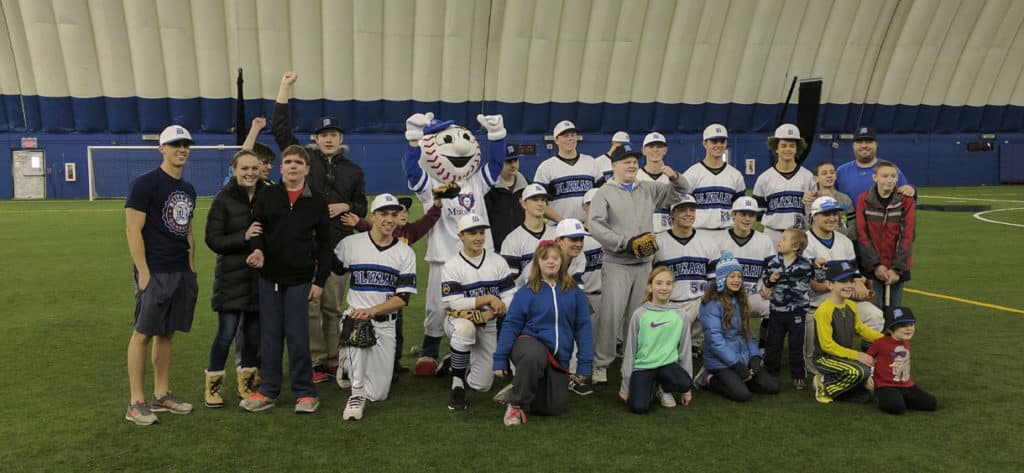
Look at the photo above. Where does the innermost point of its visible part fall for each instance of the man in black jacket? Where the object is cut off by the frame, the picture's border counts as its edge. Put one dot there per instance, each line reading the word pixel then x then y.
pixel 342 184
pixel 503 209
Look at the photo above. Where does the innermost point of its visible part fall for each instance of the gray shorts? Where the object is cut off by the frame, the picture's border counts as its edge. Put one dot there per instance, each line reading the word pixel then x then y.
pixel 167 304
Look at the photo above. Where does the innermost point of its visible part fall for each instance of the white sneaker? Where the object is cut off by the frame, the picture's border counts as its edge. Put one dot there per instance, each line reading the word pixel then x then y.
pixel 503 394
pixel 666 399
pixel 514 416
pixel 354 408
pixel 600 375
pixel 342 379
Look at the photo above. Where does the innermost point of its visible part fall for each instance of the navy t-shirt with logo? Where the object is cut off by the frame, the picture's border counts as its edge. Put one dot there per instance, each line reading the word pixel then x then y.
pixel 168 204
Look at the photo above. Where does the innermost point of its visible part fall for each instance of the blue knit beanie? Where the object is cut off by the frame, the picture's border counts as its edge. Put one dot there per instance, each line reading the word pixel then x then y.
pixel 726 264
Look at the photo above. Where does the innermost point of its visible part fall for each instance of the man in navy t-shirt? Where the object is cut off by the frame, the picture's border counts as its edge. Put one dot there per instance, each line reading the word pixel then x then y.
pixel 158 220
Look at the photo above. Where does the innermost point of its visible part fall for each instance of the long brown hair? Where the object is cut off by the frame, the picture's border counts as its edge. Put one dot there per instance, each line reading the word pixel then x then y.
pixel 565 282
pixel 648 295
pixel 724 298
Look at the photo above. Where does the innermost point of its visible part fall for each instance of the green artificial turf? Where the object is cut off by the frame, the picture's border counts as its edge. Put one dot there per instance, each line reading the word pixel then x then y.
pixel 67 316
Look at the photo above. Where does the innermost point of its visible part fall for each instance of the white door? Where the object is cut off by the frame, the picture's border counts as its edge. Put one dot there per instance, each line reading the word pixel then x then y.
pixel 28 167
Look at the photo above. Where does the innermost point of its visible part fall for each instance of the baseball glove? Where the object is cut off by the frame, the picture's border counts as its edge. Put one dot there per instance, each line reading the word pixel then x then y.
pixel 643 245
pixel 447 191
pixel 357 333
pixel 476 316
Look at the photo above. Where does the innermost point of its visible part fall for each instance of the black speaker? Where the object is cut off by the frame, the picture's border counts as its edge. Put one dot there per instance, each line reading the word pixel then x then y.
pixel 807 113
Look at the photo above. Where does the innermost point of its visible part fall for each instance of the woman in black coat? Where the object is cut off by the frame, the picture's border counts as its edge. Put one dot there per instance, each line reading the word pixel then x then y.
pixel 229 227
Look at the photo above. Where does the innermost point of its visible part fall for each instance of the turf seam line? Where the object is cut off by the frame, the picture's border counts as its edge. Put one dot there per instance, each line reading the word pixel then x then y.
pixel 965 301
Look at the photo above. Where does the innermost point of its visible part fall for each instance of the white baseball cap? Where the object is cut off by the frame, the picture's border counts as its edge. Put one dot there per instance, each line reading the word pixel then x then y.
pixel 589 196
pixel 385 201
pixel 825 204
pixel 620 137
pixel 746 203
pixel 564 126
pixel 570 228
pixel 534 190
pixel 686 200
pixel 175 133
pixel 471 221
pixel 654 137
pixel 787 131
pixel 715 130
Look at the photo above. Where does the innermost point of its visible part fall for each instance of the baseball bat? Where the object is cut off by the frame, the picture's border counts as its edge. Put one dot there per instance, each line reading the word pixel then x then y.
pixel 885 302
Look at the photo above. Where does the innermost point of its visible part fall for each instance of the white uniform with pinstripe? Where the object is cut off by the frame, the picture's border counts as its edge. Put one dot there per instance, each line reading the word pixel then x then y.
pixel 376 275
pixel 714 193
pixel 463 280
pixel 783 199
pixel 752 256
pixel 690 262
pixel 566 183
pixel 518 249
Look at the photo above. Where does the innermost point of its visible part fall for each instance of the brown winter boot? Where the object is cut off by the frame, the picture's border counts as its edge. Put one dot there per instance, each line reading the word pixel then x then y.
pixel 212 396
pixel 247 381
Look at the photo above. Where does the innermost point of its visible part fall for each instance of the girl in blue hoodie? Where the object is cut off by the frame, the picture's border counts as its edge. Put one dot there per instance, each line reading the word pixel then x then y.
pixel 546 317
pixel 732 359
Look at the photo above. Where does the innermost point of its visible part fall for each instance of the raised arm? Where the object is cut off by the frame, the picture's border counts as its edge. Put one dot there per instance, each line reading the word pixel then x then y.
pixel 258 124
pixel 281 119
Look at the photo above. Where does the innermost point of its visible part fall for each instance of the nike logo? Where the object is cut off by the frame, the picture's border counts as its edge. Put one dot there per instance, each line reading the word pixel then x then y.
pixel 655 325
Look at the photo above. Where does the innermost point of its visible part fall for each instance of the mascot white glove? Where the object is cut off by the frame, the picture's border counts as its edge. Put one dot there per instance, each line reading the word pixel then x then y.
pixel 415 124
pixel 494 124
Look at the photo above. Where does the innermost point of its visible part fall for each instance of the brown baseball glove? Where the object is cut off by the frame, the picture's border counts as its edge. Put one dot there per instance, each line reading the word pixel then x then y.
pixel 447 191
pixel 357 333
pixel 477 316
pixel 643 245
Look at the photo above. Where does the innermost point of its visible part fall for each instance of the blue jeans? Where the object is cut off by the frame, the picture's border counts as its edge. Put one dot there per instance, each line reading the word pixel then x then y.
pixel 895 294
pixel 248 344
pixel 284 316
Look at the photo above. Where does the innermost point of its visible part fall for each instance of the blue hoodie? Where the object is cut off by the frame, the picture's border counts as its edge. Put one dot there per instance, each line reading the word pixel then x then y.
pixel 724 348
pixel 554 317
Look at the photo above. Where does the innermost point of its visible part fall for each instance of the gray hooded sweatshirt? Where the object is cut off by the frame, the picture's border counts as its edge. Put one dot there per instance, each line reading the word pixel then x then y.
pixel 618 214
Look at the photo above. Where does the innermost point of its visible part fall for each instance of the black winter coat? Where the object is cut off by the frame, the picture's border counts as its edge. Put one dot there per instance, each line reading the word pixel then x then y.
pixel 296 239
pixel 337 179
pixel 234 283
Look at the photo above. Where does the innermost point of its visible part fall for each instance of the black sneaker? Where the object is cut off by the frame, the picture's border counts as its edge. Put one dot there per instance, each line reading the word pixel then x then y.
pixel 457 400
pixel 580 385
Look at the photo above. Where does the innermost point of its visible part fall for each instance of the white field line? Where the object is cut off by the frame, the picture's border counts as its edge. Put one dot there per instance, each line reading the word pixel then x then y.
pixel 983 219
pixel 949 197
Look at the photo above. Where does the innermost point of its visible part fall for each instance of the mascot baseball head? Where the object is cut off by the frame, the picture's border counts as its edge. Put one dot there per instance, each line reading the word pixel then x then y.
pixel 449 152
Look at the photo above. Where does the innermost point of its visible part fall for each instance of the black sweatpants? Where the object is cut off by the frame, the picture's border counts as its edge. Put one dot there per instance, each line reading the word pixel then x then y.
pixel 399 341
pixel 672 378
pixel 537 387
pixel 729 384
pixel 780 326
pixel 898 400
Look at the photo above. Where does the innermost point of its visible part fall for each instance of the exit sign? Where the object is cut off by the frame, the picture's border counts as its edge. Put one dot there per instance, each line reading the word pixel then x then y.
pixel 29 142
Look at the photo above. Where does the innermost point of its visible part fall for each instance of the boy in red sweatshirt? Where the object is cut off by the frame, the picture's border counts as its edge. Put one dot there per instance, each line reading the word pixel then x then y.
pixel 885 234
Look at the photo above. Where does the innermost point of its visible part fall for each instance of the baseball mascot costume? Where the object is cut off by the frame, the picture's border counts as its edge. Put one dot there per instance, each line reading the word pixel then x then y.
pixel 444 159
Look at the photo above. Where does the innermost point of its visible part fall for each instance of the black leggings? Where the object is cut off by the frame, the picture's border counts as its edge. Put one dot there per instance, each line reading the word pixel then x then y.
pixel 899 400
pixel 729 384
pixel 672 378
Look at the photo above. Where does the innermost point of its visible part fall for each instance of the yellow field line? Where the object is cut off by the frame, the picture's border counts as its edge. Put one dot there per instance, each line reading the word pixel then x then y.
pixel 965 301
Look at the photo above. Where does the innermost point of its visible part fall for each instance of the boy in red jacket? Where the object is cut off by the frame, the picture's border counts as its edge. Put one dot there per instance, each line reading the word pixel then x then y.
pixel 885 234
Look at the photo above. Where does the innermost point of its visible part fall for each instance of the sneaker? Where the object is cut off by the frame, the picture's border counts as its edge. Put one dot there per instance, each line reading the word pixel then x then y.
pixel 579 385
pixel 168 403
pixel 320 376
pixel 503 394
pixel 819 390
pixel 702 378
pixel 799 384
pixel 666 399
pixel 354 408
pixel 425 366
pixel 457 400
pixel 514 416
pixel 445 367
pixel 600 375
pixel 256 402
pixel 306 405
pixel 343 381
pixel 140 414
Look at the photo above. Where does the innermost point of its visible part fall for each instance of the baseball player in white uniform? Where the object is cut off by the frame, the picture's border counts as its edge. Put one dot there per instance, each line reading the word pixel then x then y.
pixel 383 277
pixel 716 183
pixel 688 253
pixel 655 148
pixel 567 176
pixel 474 279
pixel 458 160
pixel 751 248
pixel 521 242
pixel 825 242
pixel 604 162
pixel 785 189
